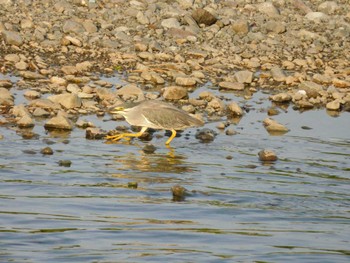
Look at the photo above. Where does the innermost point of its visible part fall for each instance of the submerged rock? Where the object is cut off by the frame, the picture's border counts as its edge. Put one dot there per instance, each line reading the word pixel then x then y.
pixel 274 127
pixel 267 156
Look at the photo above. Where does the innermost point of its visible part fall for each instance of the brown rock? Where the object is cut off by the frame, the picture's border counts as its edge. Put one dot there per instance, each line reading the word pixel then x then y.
pixel 12 38
pixel 174 93
pixel 202 16
pixel 267 156
pixel 231 85
pixel 61 122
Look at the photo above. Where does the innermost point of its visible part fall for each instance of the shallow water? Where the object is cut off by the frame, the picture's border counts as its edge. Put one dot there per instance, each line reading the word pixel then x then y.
pixel 239 210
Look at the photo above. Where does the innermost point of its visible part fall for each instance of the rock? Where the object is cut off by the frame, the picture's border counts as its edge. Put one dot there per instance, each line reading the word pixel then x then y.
pixel 61 122
pixel 21 65
pixel 153 77
pixel 202 16
pixel 149 148
pixel 71 26
pixel 38 112
pixel 58 81
pixel 95 133
pixel 65 163
pixel 84 124
pixel 69 70
pixel 231 85
pixel 328 7
pixel 278 74
pixel 31 75
pixel 179 192
pixel 174 93
pixel 45 104
pixel 6 97
pixel 25 122
pixel 12 58
pixel 132 185
pixel 230 132
pixel 84 66
pixel 244 76
pixel 185 81
pixel 68 40
pixel 216 104
pixel 20 110
pixel 317 17
pixel 240 26
pixel 267 156
pixel 268 9
pixel 333 105
pixel 170 23
pixel 275 26
pixel 67 100
pixel 46 151
pixel 142 18
pixel 131 91
pixel 234 109
pixel 274 127
pixel 312 89
pixel 281 97
pixel 5 83
pixel 206 135
pixel 12 38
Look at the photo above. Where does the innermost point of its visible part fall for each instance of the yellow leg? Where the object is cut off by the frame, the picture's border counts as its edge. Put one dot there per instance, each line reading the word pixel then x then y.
pixel 173 134
pixel 126 136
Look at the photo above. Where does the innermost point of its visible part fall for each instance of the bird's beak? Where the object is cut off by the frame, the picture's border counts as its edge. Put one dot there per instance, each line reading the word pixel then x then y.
pixel 115 110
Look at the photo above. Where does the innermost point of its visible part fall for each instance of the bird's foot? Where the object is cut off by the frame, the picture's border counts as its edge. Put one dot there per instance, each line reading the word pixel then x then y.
pixel 117 137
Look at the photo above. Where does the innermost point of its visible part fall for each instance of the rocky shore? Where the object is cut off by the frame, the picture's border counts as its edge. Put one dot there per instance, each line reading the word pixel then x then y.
pixel 297 50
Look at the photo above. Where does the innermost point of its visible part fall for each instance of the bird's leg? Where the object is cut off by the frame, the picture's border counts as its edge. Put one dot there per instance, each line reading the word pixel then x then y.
pixel 126 136
pixel 173 134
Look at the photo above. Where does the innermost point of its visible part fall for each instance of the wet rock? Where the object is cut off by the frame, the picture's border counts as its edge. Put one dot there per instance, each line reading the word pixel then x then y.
pixel 31 75
pixel 174 93
pixel 179 192
pixel 206 135
pixel 4 83
pixel 333 105
pixel 28 135
pixel 65 163
pixel 312 89
pixel 45 104
pixel 32 94
pixel 132 92
pixel 185 81
pixel 281 97
pixel 278 74
pixel 244 76
pixel 202 16
pixel 132 185
pixel 6 97
pixel 20 110
pixel 60 122
pixel 38 112
pixel 12 38
pixel 230 132
pixel 274 127
pixel 25 122
pixel 231 85
pixel 95 133
pixel 234 109
pixel 152 77
pixel 46 151
pixel 67 100
pixel 84 124
pixel 267 156
pixel 216 105
pixel 272 111
pixel 149 148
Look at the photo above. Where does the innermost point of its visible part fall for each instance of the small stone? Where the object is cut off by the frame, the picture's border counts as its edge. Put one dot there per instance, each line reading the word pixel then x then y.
pixel 21 65
pixel 174 93
pixel 231 85
pixel 32 94
pixel 312 89
pixel 59 122
pixel 132 185
pixel 206 135
pixel 179 192
pixel 67 100
pixel 65 163
pixel 71 26
pixel 131 91
pixel 202 16
pixel 234 109
pixel 333 105
pixel 31 75
pixel 12 58
pixel 170 23
pixel 267 156
pixel 230 132
pixel 274 127
pixel 12 38
pixel 278 74
pixel 221 126
pixel 47 151
pixel 272 111
pixel 95 133
pixel 149 148
pixel 240 26
pixel 281 97
pixel 268 8
pixel 38 112
pixel 27 135
pixel 244 76
pixel 5 83
pixel 185 81
pixel 25 122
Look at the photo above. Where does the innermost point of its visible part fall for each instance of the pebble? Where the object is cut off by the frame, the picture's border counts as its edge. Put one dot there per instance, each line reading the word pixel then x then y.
pixel 46 151
pixel 231 85
pixel 267 156
pixel 206 135
pixel 95 133
pixel 60 122
pixel 174 93
pixel 65 163
pixel 234 109
pixel 179 192
pixel 333 105
pixel 149 148
pixel 273 126
pixel 67 100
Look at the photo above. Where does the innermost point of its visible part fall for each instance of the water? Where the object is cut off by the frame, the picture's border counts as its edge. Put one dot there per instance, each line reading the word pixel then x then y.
pixel 238 210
